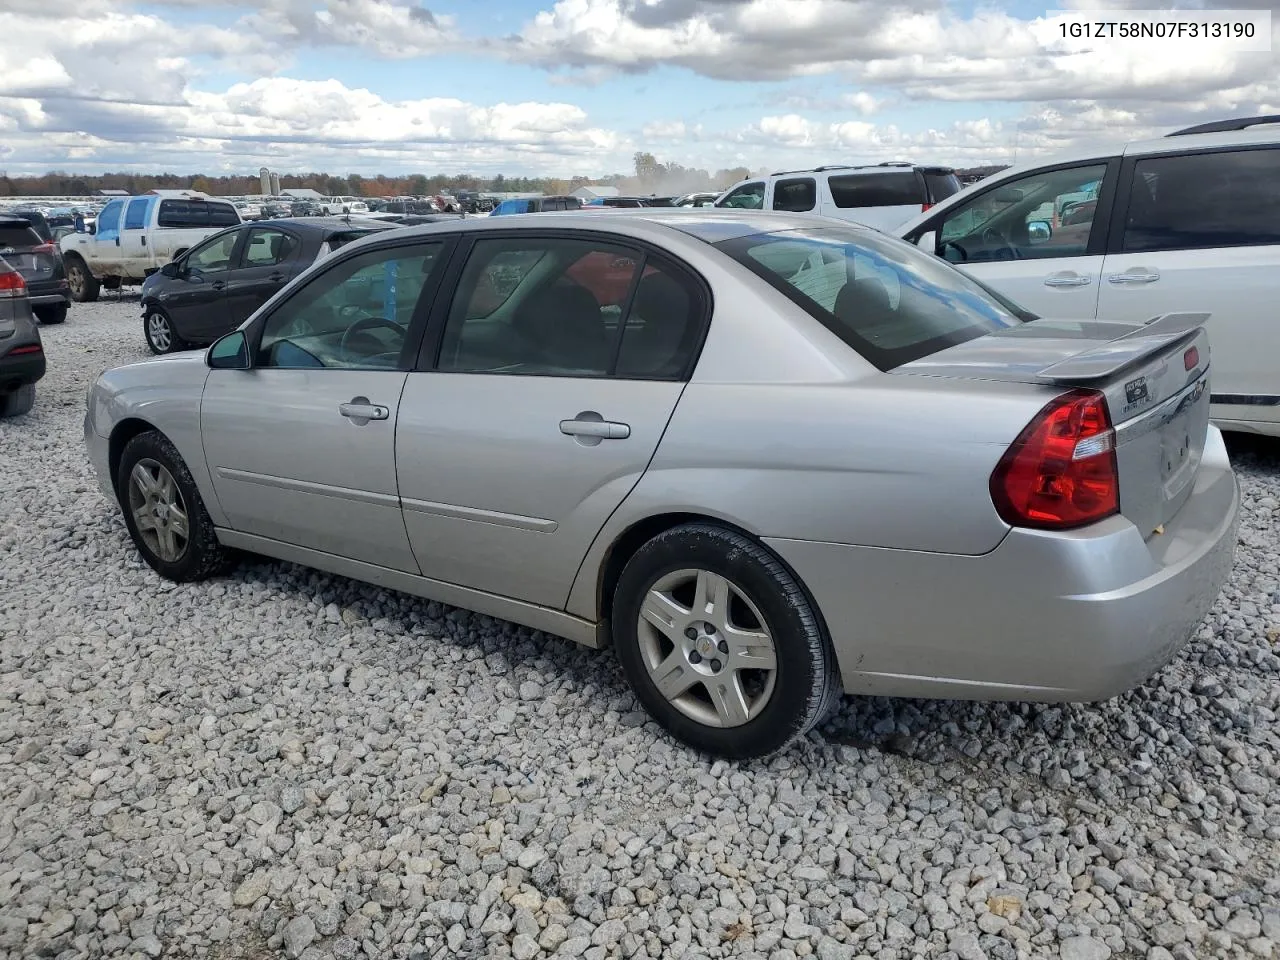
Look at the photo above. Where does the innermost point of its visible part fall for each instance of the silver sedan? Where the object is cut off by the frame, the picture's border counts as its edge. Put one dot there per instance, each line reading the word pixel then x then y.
pixel 763 456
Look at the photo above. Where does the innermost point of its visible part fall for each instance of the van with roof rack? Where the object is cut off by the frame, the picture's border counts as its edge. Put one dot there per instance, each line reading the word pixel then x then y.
pixel 1188 222
pixel 883 195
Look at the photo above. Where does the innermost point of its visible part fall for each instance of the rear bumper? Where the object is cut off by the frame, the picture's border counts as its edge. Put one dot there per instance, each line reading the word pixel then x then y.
pixel 44 292
pixel 16 371
pixel 1082 615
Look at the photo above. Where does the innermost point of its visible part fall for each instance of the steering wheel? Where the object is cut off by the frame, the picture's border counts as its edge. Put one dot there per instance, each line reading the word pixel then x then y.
pixel 361 326
pixel 998 246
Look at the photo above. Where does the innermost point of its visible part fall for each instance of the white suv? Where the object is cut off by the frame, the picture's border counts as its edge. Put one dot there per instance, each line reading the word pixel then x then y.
pixel 883 196
pixel 1189 222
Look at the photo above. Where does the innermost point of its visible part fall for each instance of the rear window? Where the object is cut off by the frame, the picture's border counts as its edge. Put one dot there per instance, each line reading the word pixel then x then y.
pixel 15 237
pixel 342 239
pixel 894 189
pixel 941 184
pixel 890 301
pixel 39 223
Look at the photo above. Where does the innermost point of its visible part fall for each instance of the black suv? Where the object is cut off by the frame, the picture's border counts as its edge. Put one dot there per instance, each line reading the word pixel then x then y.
pixel 26 244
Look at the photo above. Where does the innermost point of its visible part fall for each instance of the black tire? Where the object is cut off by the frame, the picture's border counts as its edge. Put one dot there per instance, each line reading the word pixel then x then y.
pixel 84 287
pixel 154 324
pixel 806 683
pixel 54 314
pixel 202 556
pixel 18 402
pixel 112 283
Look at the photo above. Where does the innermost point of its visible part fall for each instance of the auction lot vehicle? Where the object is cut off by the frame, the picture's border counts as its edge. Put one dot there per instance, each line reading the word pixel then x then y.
pixel 213 287
pixel 22 361
pixel 135 236
pixel 1186 222
pixel 743 469
pixel 883 196
pixel 26 244
pixel 536 205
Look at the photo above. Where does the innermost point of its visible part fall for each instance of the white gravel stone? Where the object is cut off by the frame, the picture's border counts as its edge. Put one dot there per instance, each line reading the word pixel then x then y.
pixel 286 763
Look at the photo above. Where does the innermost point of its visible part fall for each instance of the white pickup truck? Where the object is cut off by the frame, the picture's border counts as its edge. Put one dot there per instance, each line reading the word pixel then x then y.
pixel 136 236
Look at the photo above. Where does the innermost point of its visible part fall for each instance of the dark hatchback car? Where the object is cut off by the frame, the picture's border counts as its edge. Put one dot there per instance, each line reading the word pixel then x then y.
pixel 21 352
pixel 26 243
pixel 214 287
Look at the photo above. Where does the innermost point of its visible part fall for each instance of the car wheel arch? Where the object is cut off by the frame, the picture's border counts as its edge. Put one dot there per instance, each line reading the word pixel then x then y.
pixel 121 434
pixel 625 545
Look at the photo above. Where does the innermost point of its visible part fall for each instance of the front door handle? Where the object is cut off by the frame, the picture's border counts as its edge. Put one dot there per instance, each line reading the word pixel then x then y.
pixel 276 277
pixel 219 284
pixel 589 428
pixel 1066 280
pixel 360 411
pixel 1136 276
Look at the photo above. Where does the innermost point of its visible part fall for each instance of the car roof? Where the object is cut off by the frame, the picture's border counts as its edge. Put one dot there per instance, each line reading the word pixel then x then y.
pixel 710 224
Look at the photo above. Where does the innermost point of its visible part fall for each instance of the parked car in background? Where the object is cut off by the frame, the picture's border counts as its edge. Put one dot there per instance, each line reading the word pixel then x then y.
pixel 26 244
pixel 135 236
pixel 883 196
pixel 217 284
pixel 743 475
pixel 22 362
pixel 303 208
pixel 1185 222
pixel 626 202
pixel 536 205
pixel 698 200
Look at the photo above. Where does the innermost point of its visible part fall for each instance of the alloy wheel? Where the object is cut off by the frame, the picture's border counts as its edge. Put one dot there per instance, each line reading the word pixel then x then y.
pixel 159 331
pixel 159 512
pixel 707 648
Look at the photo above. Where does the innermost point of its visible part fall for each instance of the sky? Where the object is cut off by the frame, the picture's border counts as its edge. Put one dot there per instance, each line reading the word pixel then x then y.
pixel 575 87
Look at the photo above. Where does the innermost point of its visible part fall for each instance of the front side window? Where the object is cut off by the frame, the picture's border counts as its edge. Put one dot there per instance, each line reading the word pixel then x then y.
pixel 1197 201
pixel 886 298
pixel 214 255
pixel 1045 214
pixel 353 316
pixel 109 218
pixel 795 196
pixel 135 216
pixel 266 247
pixel 749 196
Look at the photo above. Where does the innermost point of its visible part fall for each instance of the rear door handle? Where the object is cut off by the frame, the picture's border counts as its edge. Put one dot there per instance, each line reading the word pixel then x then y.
pixel 219 284
pixel 276 277
pixel 590 428
pixel 360 411
pixel 1134 277
pixel 1066 280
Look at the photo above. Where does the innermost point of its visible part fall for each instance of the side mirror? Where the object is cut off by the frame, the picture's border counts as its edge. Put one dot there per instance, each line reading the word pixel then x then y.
pixel 92 228
pixel 1038 231
pixel 229 353
pixel 171 269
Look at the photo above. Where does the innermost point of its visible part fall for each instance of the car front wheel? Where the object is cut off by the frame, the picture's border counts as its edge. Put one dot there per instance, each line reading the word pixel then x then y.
pixel 721 643
pixel 84 287
pixel 159 333
pixel 164 512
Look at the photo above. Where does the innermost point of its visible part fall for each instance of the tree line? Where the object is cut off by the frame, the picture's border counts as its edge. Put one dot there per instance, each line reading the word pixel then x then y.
pixel 649 176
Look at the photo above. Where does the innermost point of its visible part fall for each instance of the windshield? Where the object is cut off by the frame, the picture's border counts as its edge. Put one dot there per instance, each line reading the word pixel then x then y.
pixel 884 297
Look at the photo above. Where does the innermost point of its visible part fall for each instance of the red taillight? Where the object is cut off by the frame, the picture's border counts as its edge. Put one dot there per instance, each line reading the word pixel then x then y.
pixel 46 248
pixel 1191 359
pixel 1061 471
pixel 924 207
pixel 29 348
pixel 12 284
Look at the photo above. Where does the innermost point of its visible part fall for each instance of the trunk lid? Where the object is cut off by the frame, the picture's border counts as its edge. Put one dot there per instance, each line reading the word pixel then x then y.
pixel 1154 376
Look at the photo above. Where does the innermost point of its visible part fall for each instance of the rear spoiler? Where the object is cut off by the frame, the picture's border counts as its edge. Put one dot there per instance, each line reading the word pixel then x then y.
pixel 1132 348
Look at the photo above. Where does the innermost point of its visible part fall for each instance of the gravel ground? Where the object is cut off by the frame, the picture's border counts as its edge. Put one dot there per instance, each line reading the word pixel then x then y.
pixel 285 763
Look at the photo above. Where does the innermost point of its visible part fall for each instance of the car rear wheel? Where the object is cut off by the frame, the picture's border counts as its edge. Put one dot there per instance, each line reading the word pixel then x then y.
pixel 159 332
pixel 721 643
pixel 84 288
pixel 164 513
pixel 54 314
pixel 17 402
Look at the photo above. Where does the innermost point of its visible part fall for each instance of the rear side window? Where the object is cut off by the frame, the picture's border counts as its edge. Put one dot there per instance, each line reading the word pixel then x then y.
pixel 795 196
pixel 890 301
pixel 1190 202
pixel 135 215
pixel 39 223
pixel 895 189
pixel 18 237
pixel 222 215
pixel 940 185
pixel 182 213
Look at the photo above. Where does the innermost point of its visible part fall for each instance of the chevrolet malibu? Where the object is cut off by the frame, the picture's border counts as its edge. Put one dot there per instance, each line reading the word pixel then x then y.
pixel 786 457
